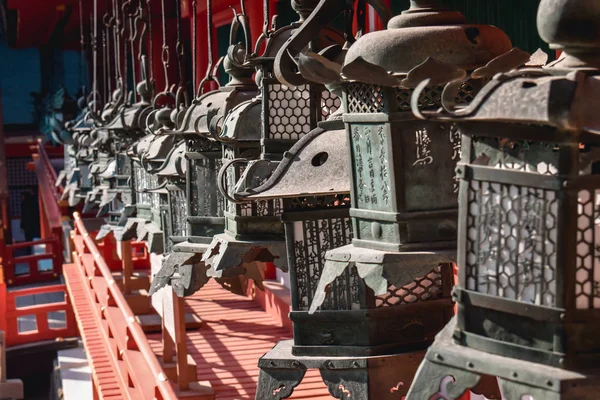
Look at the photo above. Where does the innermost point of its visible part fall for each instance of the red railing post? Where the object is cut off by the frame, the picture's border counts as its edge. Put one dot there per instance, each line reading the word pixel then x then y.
pixel 121 331
pixel 2 300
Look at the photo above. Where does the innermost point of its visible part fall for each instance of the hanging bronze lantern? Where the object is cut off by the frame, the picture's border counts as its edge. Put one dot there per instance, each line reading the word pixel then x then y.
pixel 403 192
pixel 126 127
pixel 196 205
pixel 253 232
pixel 384 297
pixel 77 181
pixel 527 295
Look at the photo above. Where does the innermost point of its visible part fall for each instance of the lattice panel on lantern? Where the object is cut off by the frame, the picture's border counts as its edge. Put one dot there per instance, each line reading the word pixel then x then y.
pixel 587 275
pixel 155 200
pixel 179 213
pixel 312 239
pixel 262 208
pixel 319 202
pixel 86 179
pixel 431 97
pixel 534 157
pixel 166 227
pixel 364 98
pixel 123 165
pixel 206 201
pixel 330 103
pixel 116 206
pixel 70 162
pixel 428 287
pixel 511 241
pixel 289 111
pixel 144 180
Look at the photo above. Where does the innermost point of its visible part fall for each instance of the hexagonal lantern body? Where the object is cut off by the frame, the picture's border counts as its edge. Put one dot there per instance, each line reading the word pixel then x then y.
pixel 527 296
pixel 125 129
pixel 205 156
pixel 253 230
pixel 290 113
pixel 77 179
pixel 196 207
pixel 404 201
pixel 403 183
pixel 314 182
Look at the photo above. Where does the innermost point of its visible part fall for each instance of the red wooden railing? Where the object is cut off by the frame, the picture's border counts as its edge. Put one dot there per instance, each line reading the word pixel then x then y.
pixel 33 274
pixel 34 323
pixel 108 249
pixel 44 166
pixel 49 195
pixel 137 366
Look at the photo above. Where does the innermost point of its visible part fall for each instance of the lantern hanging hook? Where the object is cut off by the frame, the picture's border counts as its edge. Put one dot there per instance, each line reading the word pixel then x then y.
pixel 210 75
pixel 222 179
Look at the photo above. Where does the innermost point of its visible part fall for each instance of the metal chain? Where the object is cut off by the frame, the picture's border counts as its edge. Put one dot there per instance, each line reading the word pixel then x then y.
pixel 209 76
pixel 106 57
pixel 150 43
pixel 106 68
pixel 266 12
pixel 117 44
pixel 165 46
pixel 94 39
pixel 209 24
pixel 82 43
pixel 348 19
pixel 179 45
pixel 132 35
pixel 194 41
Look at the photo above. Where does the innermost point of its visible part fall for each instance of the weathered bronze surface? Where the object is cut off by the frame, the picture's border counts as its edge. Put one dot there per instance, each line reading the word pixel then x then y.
pixel 526 299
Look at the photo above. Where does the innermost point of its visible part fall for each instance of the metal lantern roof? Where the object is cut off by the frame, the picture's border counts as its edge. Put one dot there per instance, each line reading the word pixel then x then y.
pixel 527 240
pixel 317 165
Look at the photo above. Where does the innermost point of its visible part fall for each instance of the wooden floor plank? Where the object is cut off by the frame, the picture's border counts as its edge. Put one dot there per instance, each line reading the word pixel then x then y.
pixel 235 334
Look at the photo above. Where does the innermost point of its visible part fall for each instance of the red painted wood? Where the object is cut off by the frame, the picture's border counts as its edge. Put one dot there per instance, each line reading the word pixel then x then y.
pixel 106 384
pixel 53 253
pixel 121 337
pixel 3 293
pixel 43 331
pixel 235 334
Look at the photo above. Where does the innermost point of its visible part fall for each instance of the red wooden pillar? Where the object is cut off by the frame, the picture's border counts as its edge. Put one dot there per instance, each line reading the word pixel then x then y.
pixel 372 16
pixel 3 299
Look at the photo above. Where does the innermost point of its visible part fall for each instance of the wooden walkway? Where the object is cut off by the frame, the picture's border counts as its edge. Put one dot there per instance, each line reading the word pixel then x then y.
pixel 89 322
pixel 235 334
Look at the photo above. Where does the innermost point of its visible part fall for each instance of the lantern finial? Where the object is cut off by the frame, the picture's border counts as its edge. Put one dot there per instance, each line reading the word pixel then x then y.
pixel 426 13
pixel 304 7
pixel 572 26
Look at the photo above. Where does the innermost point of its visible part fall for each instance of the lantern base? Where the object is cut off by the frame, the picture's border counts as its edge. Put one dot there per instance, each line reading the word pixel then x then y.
pixel 226 252
pixel 370 332
pixel 449 369
pixel 359 378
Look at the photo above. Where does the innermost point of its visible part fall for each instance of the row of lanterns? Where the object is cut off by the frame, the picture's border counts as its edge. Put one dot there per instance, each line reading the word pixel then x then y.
pixel 366 166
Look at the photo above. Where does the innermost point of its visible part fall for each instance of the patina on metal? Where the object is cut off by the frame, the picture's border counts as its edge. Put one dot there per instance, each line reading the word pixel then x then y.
pixel 203 215
pixel 387 294
pixel 253 231
pixel 117 200
pixel 527 295
pixel 404 200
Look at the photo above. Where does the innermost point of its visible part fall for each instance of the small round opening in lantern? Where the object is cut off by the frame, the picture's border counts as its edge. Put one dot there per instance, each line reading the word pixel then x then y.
pixel 319 159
